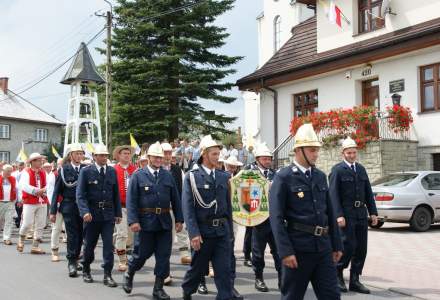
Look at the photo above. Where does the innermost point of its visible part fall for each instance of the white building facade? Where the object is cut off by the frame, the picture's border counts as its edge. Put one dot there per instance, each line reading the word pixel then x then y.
pixel 274 27
pixel 383 48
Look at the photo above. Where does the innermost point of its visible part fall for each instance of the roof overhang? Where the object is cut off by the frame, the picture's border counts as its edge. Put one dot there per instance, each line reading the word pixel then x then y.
pixel 60 124
pixel 348 56
pixel 307 2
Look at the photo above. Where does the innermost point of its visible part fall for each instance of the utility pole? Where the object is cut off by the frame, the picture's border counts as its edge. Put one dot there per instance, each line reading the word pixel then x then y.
pixel 108 84
pixel 108 75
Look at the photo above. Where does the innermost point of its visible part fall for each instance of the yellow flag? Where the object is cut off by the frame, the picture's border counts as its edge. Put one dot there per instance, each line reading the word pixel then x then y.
pixel 134 144
pixel 22 157
pixel 90 147
pixel 55 152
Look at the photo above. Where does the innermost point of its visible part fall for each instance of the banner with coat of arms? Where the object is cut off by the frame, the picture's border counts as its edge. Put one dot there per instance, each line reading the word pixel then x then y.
pixel 250 198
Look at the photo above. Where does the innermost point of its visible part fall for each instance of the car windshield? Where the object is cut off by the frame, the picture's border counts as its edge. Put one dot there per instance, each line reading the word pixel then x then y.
pixel 395 180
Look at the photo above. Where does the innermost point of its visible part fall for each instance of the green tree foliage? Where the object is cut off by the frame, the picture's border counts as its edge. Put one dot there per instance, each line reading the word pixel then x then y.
pixel 166 62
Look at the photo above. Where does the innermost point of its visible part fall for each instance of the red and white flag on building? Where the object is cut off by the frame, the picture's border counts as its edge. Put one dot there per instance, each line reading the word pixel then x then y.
pixel 334 14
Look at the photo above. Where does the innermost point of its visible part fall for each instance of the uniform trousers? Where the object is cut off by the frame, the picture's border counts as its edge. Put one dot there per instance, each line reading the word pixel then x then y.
pixel 218 251
pixel 74 231
pixel 247 244
pixel 355 237
pixel 317 268
pixel 148 243
pixel 92 231
pixel 261 236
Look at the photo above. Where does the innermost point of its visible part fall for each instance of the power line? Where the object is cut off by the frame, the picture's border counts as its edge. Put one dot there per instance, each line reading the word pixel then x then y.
pixel 85 23
pixel 58 67
pixel 149 18
pixel 63 50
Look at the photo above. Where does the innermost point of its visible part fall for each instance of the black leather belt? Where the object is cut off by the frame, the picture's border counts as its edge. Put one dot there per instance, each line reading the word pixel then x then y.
pixel 215 222
pixel 154 210
pixel 104 204
pixel 315 230
pixel 358 204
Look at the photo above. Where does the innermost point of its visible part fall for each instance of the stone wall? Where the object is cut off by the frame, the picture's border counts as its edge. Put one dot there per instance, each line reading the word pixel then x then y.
pixel 425 159
pixel 379 158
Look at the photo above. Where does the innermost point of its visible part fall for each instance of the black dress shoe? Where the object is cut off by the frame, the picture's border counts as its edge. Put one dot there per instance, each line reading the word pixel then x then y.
pixel 108 281
pixel 158 291
pixel 341 282
pixel 247 263
pixel 202 289
pixel 73 271
pixel 128 282
pixel 357 286
pixel 260 285
pixel 87 277
pixel 186 297
pixel 236 295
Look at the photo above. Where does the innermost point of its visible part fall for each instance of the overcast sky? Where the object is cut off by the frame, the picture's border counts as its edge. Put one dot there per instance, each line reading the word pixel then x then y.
pixel 38 36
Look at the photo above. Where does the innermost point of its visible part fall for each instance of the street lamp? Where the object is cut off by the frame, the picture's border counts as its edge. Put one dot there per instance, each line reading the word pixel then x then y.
pixel 396 99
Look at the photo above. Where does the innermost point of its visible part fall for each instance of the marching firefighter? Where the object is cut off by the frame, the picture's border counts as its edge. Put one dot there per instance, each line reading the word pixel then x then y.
pixel 64 203
pixel 304 223
pixel 262 233
pixel 352 197
pixel 151 196
pixel 208 216
pixel 98 201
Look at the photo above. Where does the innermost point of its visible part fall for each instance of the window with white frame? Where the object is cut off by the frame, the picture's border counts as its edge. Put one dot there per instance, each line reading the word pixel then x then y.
pixel 277 33
pixel 41 135
pixel 4 156
pixel 5 131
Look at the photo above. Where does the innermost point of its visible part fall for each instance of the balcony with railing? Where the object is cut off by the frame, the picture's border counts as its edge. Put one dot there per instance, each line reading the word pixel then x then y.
pixel 363 124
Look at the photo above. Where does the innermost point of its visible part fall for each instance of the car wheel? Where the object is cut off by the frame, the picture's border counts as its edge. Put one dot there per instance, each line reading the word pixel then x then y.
pixel 377 226
pixel 421 219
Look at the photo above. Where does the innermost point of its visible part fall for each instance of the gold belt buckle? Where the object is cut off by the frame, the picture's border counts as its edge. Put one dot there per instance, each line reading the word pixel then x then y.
pixel 158 210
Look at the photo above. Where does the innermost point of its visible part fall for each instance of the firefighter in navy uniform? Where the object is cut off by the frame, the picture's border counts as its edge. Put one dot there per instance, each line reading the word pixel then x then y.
pixel 99 205
pixel 352 197
pixel 208 216
pixel 65 190
pixel 152 194
pixel 262 234
pixel 304 223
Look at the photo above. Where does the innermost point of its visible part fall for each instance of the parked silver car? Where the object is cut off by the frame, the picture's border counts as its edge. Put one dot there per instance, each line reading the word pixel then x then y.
pixel 408 197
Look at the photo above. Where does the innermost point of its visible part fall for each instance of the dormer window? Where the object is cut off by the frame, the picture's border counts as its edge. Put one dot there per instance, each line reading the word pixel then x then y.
pixel 370 15
pixel 277 33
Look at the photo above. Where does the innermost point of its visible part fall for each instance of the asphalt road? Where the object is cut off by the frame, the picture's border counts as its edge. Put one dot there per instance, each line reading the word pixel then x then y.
pixel 24 276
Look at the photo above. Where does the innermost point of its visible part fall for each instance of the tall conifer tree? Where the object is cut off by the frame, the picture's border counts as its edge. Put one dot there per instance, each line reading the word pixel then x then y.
pixel 167 59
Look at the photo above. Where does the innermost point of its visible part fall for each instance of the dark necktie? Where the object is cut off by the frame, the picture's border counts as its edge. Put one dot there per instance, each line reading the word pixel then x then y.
pixel 266 173
pixel 212 176
pixel 308 175
pixel 156 174
pixel 352 167
pixel 77 170
pixel 101 172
